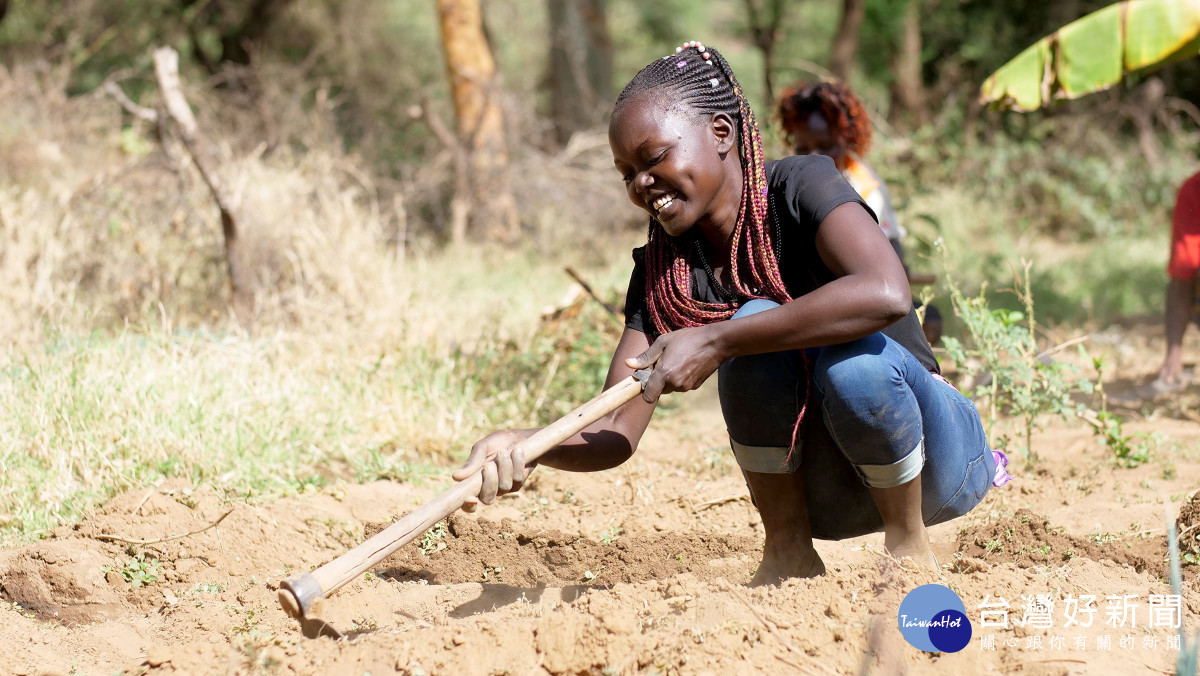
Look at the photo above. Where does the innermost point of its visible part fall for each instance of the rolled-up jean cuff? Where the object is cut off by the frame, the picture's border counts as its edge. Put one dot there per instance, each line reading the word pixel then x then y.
pixel 900 472
pixel 767 459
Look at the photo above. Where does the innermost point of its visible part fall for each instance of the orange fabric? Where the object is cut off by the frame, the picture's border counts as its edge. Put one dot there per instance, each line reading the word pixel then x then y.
pixel 1185 232
pixel 866 183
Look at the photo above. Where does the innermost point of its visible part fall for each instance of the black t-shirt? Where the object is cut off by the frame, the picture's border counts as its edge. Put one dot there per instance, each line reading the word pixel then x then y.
pixel 803 189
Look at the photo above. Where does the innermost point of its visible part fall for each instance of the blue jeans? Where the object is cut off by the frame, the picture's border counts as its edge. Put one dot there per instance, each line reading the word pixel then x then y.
pixel 876 418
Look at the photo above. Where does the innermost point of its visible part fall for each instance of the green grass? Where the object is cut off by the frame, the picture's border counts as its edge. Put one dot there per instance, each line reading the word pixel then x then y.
pixel 89 416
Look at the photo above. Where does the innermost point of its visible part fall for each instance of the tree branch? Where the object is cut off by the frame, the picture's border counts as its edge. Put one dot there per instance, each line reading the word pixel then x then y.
pixel 140 112
pixel 114 538
pixel 166 70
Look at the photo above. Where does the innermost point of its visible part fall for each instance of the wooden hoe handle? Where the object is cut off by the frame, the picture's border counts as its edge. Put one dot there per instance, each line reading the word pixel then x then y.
pixel 297 594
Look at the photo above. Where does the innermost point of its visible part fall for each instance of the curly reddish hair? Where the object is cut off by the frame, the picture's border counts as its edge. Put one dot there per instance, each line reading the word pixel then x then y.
pixel 841 108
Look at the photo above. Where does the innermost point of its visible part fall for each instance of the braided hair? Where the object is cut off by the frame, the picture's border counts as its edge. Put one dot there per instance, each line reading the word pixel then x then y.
pixel 701 79
pixel 837 103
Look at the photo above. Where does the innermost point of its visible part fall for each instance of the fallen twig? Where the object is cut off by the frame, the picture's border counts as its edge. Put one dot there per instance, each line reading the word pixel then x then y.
pixel 138 509
pixel 719 501
pixel 115 538
pixel 790 663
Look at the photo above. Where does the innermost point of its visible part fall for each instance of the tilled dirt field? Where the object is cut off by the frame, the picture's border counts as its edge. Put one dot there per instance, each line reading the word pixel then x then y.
pixel 640 569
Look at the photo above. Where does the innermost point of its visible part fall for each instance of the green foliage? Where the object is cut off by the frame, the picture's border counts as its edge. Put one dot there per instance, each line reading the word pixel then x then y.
pixel 1021 379
pixel 1004 346
pixel 1070 192
pixel 1096 52
pixel 1129 450
pixel 610 534
pixel 563 364
pixel 962 40
pixel 138 571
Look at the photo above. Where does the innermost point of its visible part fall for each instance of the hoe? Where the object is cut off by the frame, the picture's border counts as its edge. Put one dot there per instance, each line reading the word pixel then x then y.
pixel 303 596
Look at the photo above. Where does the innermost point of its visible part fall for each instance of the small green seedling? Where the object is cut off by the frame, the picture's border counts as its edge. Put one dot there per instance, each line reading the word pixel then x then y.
pixel 137 571
pixel 611 534
pixel 431 541
pixel 206 588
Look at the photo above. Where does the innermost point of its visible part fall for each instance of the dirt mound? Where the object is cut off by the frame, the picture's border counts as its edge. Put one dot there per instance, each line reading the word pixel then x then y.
pixel 637 570
pixel 1028 539
pixel 61 580
pixel 1187 526
pixel 469 550
pixel 1189 514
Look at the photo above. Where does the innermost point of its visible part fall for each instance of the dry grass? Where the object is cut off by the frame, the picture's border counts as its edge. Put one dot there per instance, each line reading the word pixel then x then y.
pixel 372 355
pixel 103 226
pixel 376 351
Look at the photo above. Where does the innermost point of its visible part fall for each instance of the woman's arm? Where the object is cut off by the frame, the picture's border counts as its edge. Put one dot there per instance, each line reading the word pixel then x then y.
pixel 604 444
pixel 611 440
pixel 870 293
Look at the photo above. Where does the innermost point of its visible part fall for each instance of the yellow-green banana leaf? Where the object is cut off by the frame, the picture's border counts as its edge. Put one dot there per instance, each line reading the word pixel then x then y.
pixel 1096 52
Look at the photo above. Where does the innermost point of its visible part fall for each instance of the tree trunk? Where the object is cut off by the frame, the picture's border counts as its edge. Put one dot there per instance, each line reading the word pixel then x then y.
pixel 845 42
pixel 580 72
pixel 241 276
pixel 908 92
pixel 479 121
pixel 765 23
pixel 1141 111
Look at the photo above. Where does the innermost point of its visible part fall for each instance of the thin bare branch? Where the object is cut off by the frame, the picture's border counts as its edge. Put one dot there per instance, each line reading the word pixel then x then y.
pixel 115 538
pixel 588 289
pixel 140 112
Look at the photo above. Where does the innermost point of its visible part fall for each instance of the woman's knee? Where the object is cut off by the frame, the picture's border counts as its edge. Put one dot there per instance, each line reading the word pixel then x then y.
pixel 859 369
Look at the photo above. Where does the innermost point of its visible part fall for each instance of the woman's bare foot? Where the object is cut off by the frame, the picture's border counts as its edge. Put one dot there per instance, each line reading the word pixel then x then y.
pixel 781 563
pixel 904 531
pixel 788 550
pixel 915 546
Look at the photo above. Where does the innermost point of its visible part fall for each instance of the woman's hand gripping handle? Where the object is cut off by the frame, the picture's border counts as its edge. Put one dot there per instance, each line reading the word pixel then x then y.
pixel 507 457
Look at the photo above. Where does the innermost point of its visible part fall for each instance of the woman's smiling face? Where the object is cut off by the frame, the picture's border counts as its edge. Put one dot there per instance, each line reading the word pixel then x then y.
pixel 674 162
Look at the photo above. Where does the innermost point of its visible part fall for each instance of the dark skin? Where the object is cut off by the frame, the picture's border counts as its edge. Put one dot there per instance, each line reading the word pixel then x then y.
pixel 1180 298
pixel 665 150
pixel 815 137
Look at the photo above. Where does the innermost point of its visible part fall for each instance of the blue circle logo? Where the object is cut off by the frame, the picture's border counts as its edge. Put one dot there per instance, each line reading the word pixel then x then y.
pixel 933 618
